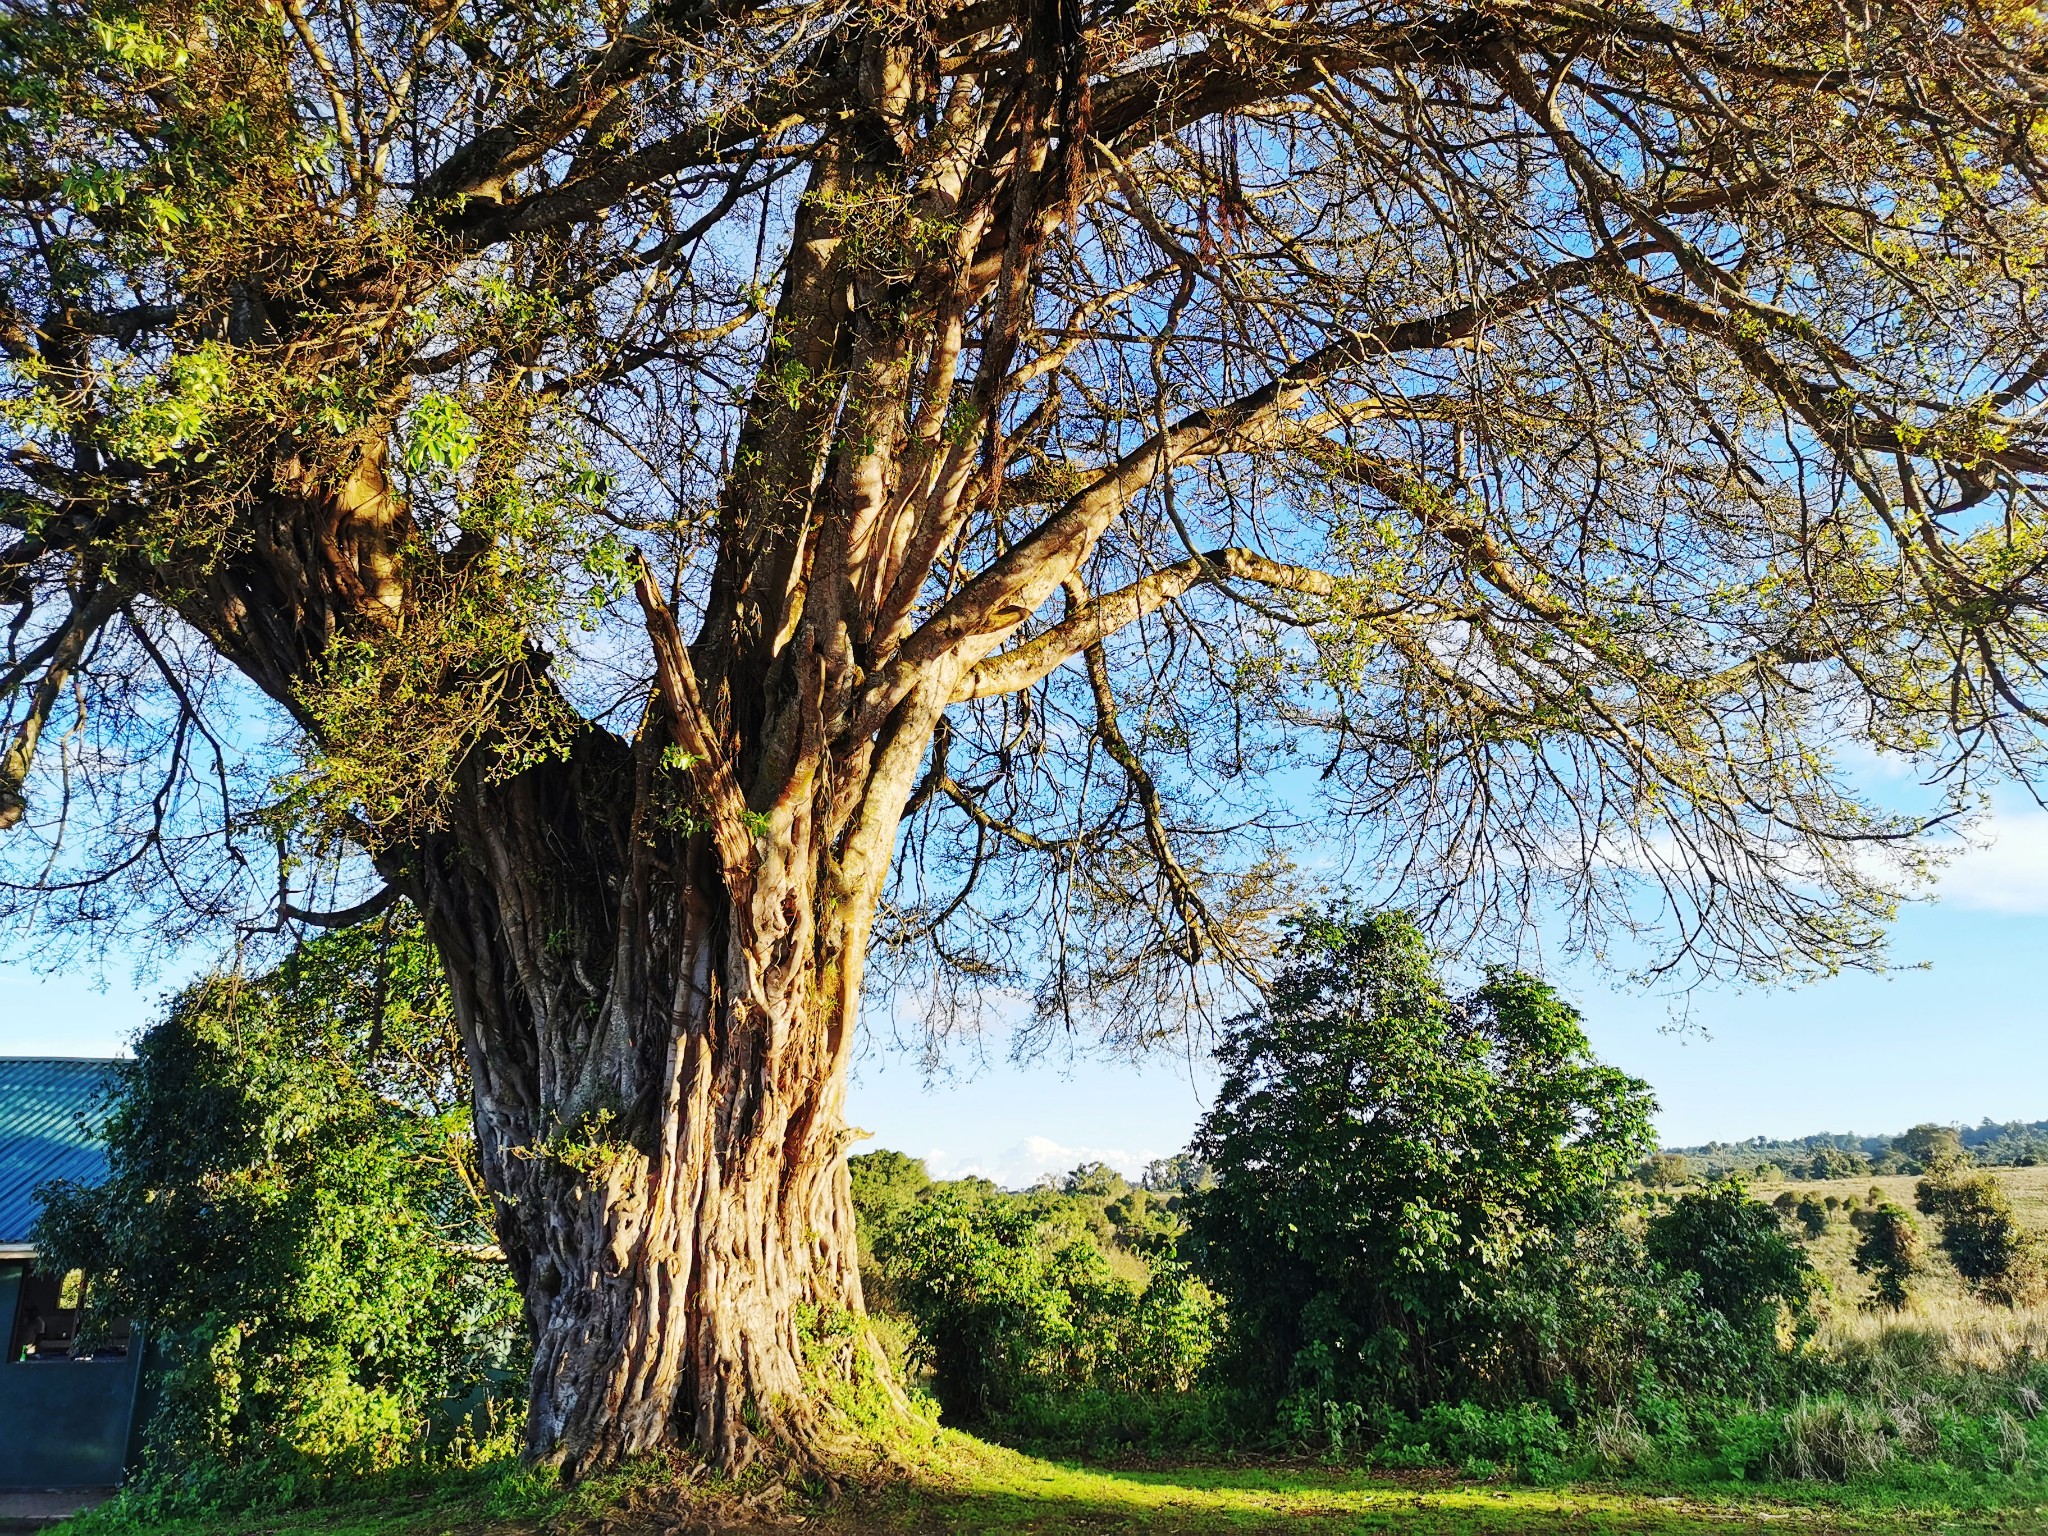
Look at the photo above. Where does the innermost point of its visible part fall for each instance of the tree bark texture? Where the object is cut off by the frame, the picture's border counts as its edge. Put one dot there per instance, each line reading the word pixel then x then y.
pixel 659 1068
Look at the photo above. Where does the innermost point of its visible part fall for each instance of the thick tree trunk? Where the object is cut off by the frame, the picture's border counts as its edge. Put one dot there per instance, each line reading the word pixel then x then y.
pixel 660 1076
pixel 656 954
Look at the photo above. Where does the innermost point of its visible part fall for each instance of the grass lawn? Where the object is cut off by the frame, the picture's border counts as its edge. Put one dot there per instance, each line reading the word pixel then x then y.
pixel 972 1487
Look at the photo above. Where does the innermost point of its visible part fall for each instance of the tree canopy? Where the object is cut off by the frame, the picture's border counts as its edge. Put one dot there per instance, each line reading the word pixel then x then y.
pixel 1542 431
pixel 1398 1169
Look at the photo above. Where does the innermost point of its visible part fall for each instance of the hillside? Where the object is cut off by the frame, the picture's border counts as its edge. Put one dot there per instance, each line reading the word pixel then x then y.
pixel 1938 1287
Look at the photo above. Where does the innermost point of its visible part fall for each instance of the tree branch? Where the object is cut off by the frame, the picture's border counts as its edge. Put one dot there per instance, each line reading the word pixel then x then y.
pixel 344 917
pixel 1095 621
pixel 703 758
pixel 1013 587
pixel 83 623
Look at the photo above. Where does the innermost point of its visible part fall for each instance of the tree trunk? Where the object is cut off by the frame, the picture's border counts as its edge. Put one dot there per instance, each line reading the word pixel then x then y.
pixel 656 956
pixel 660 1076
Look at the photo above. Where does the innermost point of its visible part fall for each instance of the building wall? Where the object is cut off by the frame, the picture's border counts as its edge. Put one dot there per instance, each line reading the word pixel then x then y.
pixel 64 1423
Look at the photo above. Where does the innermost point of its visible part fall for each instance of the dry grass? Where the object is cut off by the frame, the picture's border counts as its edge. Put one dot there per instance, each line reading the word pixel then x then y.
pixel 1953 1334
pixel 2028 1188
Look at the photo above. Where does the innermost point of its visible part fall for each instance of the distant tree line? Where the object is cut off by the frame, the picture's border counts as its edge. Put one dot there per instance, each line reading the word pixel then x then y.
pixel 1990 1144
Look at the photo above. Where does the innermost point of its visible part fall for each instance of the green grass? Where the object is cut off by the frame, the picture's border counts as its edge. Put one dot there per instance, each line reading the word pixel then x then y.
pixel 972 1487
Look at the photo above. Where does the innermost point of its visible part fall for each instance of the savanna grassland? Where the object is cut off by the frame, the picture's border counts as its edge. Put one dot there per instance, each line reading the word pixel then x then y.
pixel 1943 1312
pixel 1939 1290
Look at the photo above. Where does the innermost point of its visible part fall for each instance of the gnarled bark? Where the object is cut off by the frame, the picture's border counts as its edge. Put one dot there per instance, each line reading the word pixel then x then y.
pixel 660 1074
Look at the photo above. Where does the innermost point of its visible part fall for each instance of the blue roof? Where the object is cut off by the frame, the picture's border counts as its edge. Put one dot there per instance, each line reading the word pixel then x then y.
pixel 50 1115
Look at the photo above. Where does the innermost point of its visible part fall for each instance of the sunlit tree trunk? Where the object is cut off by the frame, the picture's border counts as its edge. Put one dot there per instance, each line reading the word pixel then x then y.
pixel 660 1072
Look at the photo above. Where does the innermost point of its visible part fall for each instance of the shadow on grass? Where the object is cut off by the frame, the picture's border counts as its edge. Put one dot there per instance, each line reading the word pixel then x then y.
pixel 986 1489
pixel 964 1486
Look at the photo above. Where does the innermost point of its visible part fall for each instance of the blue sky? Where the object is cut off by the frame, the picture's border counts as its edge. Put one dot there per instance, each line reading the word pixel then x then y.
pixel 1963 1038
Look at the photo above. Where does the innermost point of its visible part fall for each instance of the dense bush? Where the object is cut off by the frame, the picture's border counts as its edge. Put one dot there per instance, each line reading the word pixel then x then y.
pixel 1888 1250
pixel 1403 1176
pixel 1813 1215
pixel 1733 1293
pixel 1665 1170
pixel 1013 1297
pixel 1735 1253
pixel 1831 1163
pixel 291 1212
pixel 1982 1235
pixel 1933 1149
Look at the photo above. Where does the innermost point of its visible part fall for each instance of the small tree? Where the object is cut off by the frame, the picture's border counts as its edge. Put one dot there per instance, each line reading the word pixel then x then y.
pixel 884 1183
pixel 1739 1259
pixel 1836 1163
pixel 1391 1159
pixel 1812 1214
pixel 1665 1170
pixel 1888 1250
pixel 292 1208
pixel 1982 1235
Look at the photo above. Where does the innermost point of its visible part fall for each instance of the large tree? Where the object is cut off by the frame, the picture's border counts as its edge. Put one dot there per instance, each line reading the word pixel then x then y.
pixel 1081 440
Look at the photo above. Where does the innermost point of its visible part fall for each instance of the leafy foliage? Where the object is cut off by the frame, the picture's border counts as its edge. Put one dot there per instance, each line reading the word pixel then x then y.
pixel 884 1184
pixel 291 1212
pixel 1887 1249
pixel 1748 1279
pixel 1936 1149
pixel 1665 1170
pixel 1982 1235
pixel 1011 1297
pixel 1812 1214
pixel 1402 1175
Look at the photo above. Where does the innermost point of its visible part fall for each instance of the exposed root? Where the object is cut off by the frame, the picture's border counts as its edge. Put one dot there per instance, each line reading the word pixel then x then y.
pixel 852 1429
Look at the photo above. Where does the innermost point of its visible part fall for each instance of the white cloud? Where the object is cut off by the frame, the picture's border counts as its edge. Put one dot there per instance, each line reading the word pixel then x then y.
pixel 2007 871
pixel 1024 1164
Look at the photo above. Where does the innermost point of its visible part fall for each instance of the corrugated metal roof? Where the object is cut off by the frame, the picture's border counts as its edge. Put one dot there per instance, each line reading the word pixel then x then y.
pixel 49 1117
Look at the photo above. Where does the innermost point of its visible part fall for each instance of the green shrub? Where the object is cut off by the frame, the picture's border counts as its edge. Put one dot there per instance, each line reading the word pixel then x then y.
pixel 1813 1216
pixel 1743 1443
pixel 1665 1170
pixel 289 1212
pixel 1888 1250
pixel 1398 1171
pixel 1524 1437
pixel 1932 1149
pixel 1094 1421
pixel 884 1185
pixel 1009 1301
pixel 1982 1235
pixel 1749 1286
